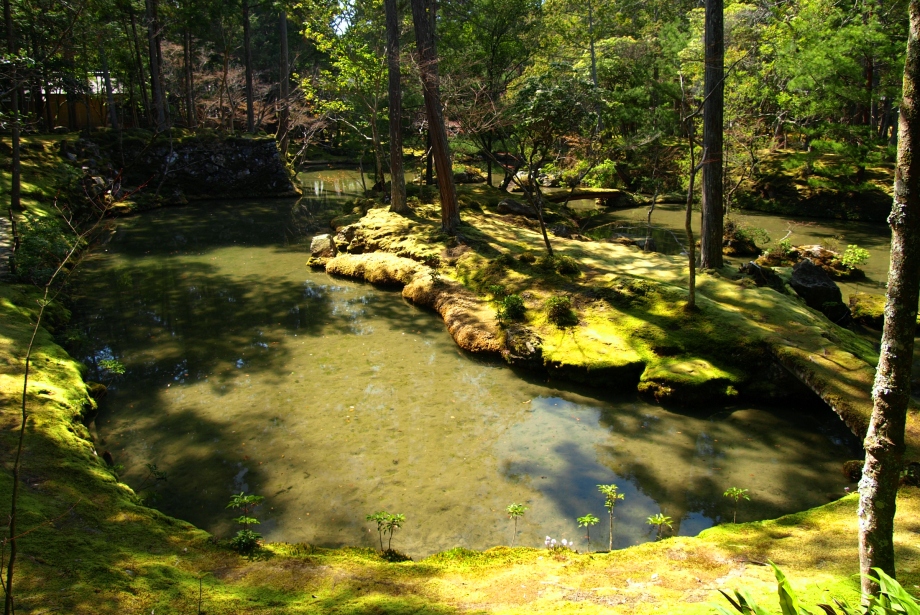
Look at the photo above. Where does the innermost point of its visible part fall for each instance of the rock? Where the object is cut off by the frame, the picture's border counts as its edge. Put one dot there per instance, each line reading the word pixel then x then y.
pixel 868 310
pixel 912 475
pixel 763 276
pixel 853 470
pixel 60 130
pixel 617 200
pixel 109 460
pixel 623 240
pixel 739 246
pixel 819 291
pixel 345 236
pixel 523 347
pixel 467 177
pixel 510 206
pixel 561 230
pixel 647 244
pixel 323 246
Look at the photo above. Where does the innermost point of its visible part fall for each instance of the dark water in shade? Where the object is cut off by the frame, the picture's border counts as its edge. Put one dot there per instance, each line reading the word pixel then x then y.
pixel 333 399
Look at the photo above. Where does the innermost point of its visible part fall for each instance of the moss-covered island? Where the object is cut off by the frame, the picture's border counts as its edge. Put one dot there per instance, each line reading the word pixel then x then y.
pixel 90 546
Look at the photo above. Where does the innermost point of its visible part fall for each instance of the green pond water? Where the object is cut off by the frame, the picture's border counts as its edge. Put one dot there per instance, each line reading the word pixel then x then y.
pixel 247 371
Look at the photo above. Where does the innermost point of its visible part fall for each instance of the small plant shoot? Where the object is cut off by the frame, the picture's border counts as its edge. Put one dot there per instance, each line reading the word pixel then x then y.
pixel 736 494
pixel 660 521
pixel 586 522
pixel 246 540
pixel 515 512
pixel 611 494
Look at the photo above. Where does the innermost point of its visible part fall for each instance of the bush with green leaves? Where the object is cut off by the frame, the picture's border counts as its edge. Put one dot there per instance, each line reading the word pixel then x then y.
pixel 44 243
pixel 892 599
pixel 559 312
pixel 854 256
pixel 564 265
pixel 510 308
pixel 246 541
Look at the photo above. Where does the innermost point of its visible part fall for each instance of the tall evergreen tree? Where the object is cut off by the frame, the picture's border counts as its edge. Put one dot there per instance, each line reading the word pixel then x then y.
pixel 713 90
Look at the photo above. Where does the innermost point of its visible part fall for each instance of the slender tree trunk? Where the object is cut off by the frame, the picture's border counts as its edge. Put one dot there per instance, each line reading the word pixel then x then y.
pixel 36 87
pixel 140 67
pixel 283 128
pixel 423 18
pixel 711 230
pixel 429 160
pixel 247 58
pixel 156 84
pixel 15 163
pixel 110 97
pixel 884 441
pixel 394 94
pixel 591 42
pixel 191 113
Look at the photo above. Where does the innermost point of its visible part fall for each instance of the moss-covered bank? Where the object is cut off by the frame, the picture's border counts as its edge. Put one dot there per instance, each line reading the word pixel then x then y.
pixel 630 327
pixel 92 549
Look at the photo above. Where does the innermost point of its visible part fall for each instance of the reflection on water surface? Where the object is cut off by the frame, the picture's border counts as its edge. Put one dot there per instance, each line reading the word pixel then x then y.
pixel 333 399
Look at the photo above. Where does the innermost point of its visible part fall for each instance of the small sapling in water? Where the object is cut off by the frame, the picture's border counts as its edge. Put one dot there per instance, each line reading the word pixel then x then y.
pixel 515 511
pixel 611 495
pixel 380 518
pixel 246 541
pixel 394 522
pixel 586 522
pixel 660 521
pixel 736 494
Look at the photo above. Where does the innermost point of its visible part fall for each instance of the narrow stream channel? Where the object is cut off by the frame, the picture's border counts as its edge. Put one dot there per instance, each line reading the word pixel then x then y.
pixel 246 371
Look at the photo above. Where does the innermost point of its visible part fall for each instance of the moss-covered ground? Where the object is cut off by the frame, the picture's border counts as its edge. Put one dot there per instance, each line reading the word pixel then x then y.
pixel 88 546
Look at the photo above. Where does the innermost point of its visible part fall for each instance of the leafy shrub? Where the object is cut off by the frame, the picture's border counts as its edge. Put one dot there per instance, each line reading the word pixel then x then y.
pixel 43 246
pixel 246 542
pixel 565 265
pixel 510 308
pixel 559 312
pixel 854 256
pixel 604 175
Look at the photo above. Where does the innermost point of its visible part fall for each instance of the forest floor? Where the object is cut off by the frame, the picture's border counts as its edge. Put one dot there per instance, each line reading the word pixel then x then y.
pixel 88 545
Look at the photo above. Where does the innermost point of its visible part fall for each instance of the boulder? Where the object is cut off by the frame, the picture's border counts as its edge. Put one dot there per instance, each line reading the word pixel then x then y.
pixel 561 230
pixel 868 310
pixel 510 206
pixel 616 199
pixel 323 246
pixel 763 276
pixel 523 347
pixel 819 291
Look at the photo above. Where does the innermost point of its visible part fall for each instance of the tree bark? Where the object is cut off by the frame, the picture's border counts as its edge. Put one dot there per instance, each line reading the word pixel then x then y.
pixel 884 441
pixel 15 162
pixel 423 18
pixel 247 59
pixel 397 175
pixel 713 88
pixel 285 88
pixel 156 84
pixel 109 95
pixel 140 67
pixel 191 113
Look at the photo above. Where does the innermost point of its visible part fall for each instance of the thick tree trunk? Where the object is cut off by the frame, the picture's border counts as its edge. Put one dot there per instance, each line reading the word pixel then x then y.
pixel 423 18
pixel 884 441
pixel 394 94
pixel 191 113
pixel 247 59
pixel 711 229
pixel 283 128
pixel 156 84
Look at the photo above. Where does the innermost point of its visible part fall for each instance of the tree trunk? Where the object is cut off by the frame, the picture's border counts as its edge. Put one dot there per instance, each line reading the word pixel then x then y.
pixel 711 229
pixel 285 88
pixel 156 84
pixel 247 59
pixel 423 18
pixel 884 441
pixel 15 162
pixel 140 67
pixel 109 96
pixel 394 93
pixel 191 113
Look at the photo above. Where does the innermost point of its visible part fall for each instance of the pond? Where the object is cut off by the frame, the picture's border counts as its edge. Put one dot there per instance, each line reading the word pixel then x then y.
pixel 247 371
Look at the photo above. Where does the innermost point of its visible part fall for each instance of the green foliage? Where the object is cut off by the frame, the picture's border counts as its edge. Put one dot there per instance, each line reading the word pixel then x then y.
pixel 515 511
pixel 564 265
pixel 246 541
pixel 891 600
pixel 44 244
pixel 387 523
pixel 736 494
pixel 854 256
pixel 660 521
pixel 114 367
pixel 559 312
pixel 510 308
pixel 586 522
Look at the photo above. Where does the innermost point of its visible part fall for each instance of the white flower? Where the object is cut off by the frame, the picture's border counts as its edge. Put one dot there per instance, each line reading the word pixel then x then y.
pixel 564 543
